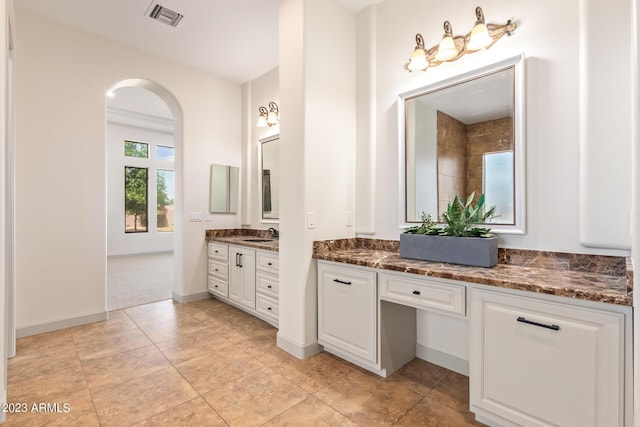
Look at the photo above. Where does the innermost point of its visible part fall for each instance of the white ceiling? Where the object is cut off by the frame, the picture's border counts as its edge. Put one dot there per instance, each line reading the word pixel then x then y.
pixel 233 39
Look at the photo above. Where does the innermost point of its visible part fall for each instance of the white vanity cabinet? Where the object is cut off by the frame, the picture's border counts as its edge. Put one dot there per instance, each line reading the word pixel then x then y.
pixel 267 280
pixel 347 312
pixel 218 269
pixel 536 362
pixel 242 276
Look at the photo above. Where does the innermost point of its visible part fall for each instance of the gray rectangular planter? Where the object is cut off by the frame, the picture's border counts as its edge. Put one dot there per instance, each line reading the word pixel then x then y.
pixel 477 251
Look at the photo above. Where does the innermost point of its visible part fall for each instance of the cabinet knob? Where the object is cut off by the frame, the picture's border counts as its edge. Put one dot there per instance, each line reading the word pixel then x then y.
pixel 216 269
pixel 416 292
pixel 269 264
pixel 269 308
pixel 269 286
pixel 215 286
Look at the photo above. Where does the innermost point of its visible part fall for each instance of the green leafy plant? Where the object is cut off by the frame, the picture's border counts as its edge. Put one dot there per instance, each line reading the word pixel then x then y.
pixel 461 219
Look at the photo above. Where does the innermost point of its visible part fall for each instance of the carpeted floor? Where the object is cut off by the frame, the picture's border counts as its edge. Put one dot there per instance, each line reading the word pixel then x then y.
pixel 138 279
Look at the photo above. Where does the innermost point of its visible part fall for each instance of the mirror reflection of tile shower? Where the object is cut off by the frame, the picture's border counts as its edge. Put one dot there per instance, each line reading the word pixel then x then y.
pixel 266 191
pixel 269 173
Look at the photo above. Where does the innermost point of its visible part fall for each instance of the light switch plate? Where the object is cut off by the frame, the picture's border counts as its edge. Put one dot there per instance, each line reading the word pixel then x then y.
pixel 196 216
pixel 311 220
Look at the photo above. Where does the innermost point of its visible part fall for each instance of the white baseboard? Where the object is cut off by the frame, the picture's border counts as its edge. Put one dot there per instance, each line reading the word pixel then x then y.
pixel 190 298
pixel 440 358
pixel 301 352
pixel 41 328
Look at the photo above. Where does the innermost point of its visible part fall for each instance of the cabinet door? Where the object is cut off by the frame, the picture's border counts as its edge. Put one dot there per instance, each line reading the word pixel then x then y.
pixel 242 276
pixel 347 310
pixel 538 363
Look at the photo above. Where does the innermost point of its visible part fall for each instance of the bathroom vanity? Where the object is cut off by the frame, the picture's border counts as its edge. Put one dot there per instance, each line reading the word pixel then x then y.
pixel 550 334
pixel 243 271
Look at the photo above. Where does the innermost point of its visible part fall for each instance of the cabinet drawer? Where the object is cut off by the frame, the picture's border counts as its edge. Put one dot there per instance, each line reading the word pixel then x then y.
pixel 267 284
pixel 218 251
pixel 218 287
pixel 423 293
pixel 219 269
pixel 267 262
pixel 267 306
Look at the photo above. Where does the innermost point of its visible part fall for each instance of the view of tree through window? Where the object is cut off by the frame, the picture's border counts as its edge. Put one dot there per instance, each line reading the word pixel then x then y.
pixel 166 197
pixel 135 199
pixel 136 149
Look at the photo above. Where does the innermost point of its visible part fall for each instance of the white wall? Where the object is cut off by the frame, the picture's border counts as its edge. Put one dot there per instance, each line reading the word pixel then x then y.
pixel 256 93
pixel 119 242
pixel 6 17
pixel 317 151
pixel 62 76
pixel 549 34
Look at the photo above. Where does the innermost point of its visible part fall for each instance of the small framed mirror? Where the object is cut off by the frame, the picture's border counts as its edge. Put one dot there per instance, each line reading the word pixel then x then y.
pixel 269 175
pixel 466 135
pixel 223 189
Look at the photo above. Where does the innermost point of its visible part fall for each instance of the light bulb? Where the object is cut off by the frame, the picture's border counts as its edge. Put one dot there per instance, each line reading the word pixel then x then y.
pixel 447 48
pixel 272 119
pixel 262 121
pixel 479 38
pixel 418 61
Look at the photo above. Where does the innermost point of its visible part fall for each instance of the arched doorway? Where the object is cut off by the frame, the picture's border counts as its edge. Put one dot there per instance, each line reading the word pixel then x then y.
pixel 144 146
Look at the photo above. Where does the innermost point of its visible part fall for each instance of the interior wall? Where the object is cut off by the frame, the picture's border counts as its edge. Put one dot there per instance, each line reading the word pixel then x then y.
pixel 61 210
pixel 257 93
pixel 119 242
pixel 549 34
pixel 6 17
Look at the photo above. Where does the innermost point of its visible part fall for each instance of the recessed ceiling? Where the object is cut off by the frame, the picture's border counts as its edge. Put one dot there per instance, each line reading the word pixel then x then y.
pixel 233 39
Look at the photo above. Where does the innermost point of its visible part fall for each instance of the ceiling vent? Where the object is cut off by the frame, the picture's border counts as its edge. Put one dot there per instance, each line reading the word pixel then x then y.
pixel 165 15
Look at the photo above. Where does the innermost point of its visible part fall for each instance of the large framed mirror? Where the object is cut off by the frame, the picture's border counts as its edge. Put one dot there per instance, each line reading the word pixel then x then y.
pixel 466 135
pixel 223 189
pixel 269 175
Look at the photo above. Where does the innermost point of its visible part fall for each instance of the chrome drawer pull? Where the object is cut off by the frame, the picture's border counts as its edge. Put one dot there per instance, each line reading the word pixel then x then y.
pixel 542 325
pixel 416 292
pixel 341 281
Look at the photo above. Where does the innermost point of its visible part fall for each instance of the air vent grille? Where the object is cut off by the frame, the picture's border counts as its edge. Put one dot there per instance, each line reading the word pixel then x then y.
pixel 165 15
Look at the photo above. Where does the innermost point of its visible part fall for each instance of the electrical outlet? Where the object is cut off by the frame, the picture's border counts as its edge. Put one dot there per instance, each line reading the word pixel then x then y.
pixel 349 218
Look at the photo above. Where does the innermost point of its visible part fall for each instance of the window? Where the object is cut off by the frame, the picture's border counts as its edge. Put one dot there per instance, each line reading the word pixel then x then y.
pixel 136 186
pixel 166 196
pixel 136 149
pixel 165 153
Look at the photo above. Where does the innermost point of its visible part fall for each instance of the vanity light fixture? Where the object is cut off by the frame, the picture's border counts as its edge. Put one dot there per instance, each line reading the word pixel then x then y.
pixel 269 117
pixel 451 47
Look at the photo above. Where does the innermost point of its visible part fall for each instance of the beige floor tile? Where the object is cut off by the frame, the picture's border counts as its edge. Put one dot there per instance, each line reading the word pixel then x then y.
pixel 218 367
pixel 153 311
pixel 189 346
pixel 64 410
pixel 142 398
pixel 453 392
pixel 430 413
pixel 33 365
pixel 108 343
pixel 123 367
pixel 263 347
pixel 369 400
pixel 41 388
pixel 118 321
pixel 314 373
pixel 193 413
pixel 424 376
pixel 42 344
pixel 311 411
pixel 255 398
pixel 169 327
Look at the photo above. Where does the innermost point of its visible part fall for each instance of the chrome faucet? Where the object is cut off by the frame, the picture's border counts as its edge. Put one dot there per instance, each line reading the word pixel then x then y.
pixel 274 233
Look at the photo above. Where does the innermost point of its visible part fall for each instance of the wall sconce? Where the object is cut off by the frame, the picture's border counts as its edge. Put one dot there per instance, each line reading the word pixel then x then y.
pixel 450 48
pixel 268 117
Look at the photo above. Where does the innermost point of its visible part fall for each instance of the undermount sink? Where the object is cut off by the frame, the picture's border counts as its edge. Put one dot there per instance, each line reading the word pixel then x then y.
pixel 258 240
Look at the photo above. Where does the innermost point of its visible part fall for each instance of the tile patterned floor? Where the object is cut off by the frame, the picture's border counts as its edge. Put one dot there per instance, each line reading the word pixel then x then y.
pixel 208 364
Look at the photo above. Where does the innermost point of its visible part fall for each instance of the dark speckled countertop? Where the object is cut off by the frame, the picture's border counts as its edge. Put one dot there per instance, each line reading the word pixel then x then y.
pixel 607 279
pixel 242 236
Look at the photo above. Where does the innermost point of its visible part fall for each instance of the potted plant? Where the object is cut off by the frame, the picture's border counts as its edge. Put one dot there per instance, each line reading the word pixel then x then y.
pixel 461 240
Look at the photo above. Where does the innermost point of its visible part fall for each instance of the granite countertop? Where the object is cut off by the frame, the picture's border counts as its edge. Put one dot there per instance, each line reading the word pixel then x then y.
pixel 607 279
pixel 241 236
